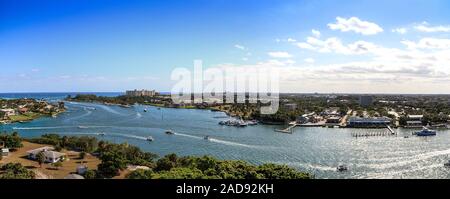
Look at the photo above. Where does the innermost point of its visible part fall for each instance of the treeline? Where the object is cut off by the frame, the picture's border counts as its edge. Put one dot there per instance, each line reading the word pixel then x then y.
pixel 206 167
pixel 116 157
pixel 123 99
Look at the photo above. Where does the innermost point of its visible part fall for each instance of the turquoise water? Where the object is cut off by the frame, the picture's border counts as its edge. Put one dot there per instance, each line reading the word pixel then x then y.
pixel 316 150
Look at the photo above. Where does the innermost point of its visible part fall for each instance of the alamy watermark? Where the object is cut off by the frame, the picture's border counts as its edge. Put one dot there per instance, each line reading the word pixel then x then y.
pixel 227 85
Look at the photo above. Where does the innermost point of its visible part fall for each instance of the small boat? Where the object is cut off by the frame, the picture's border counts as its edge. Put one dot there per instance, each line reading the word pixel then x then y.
pixel 82 127
pixel 169 132
pixel 342 168
pixel 101 134
pixel 145 110
pixel 426 132
pixel 447 164
pixel 206 137
pixel 242 124
pixel 252 123
pixel 150 139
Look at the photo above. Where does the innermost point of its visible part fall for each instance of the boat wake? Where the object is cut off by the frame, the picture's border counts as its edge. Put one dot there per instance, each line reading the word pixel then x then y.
pixel 215 140
pixel 42 128
pixel 408 161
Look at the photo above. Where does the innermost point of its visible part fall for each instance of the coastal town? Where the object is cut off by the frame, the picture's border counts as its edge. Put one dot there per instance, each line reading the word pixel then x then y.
pixel 310 110
pixel 24 110
pixel 52 156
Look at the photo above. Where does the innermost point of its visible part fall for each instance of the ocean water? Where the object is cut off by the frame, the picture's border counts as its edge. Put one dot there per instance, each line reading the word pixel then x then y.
pixel 315 150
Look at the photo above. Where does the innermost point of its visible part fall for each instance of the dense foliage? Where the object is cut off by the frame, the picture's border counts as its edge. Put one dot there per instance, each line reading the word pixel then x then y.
pixel 12 141
pixel 115 158
pixel 206 167
pixel 15 171
pixel 82 143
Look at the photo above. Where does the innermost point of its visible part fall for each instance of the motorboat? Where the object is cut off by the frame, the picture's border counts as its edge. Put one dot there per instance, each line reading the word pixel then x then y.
pixel 426 132
pixel 342 168
pixel 170 132
pixel 206 137
pixel 101 134
pixel 150 139
pixel 252 123
pixel 447 164
pixel 145 110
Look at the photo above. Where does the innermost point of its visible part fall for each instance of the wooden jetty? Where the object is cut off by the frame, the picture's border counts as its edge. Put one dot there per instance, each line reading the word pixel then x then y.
pixel 390 132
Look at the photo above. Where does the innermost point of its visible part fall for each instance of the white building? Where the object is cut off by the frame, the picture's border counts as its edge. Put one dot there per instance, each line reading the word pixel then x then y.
pixel 50 155
pixel 140 93
pixel 8 112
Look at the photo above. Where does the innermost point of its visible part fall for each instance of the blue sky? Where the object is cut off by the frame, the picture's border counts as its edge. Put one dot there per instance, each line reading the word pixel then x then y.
pixel 110 45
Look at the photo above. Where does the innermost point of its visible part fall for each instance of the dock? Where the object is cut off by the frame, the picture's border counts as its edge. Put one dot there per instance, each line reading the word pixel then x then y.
pixel 390 132
pixel 288 129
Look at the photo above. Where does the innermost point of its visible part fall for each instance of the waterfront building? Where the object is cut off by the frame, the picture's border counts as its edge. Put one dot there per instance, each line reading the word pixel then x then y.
pixel 365 100
pixel 374 122
pixel 333 120
pixel 414 121
pixel 140 93
pixel 8 112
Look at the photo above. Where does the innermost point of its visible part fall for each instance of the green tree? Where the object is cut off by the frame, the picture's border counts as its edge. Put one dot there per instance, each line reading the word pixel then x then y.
pixel 82 155
pixel 90 174
pixel 40 157
pixel 15 171
pixel 140 174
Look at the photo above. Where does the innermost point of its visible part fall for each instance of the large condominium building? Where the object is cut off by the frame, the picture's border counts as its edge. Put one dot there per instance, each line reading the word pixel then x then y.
pixel 365 100
pixel 138 93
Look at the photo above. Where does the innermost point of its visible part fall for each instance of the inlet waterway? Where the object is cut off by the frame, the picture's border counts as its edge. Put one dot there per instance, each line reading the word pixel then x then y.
pixel 316 150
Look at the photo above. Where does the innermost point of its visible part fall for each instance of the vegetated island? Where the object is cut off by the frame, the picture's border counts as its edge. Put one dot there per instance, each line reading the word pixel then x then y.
pixel 87 158
pixel 24 110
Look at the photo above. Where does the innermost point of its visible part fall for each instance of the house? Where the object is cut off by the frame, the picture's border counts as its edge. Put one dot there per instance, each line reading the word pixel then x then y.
pixel 50 155
pixel 8 112
pixel 4 152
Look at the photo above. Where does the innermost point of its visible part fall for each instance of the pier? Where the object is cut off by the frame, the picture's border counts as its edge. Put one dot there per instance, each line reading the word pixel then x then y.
pixel 288 129
pixel 390 132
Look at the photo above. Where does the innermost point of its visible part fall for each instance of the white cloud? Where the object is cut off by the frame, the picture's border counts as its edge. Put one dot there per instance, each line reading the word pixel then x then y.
pixel 425 27
pixel 309 60
pixel 316 33
pixel 335 45
pixel 356 25
pixel 240 47
pixel 290 40
pixel 279 54
pixel 428 43
pixel 401 31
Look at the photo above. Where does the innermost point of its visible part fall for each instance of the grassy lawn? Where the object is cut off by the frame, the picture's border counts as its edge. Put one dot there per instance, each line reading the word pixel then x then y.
pixel 24 117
